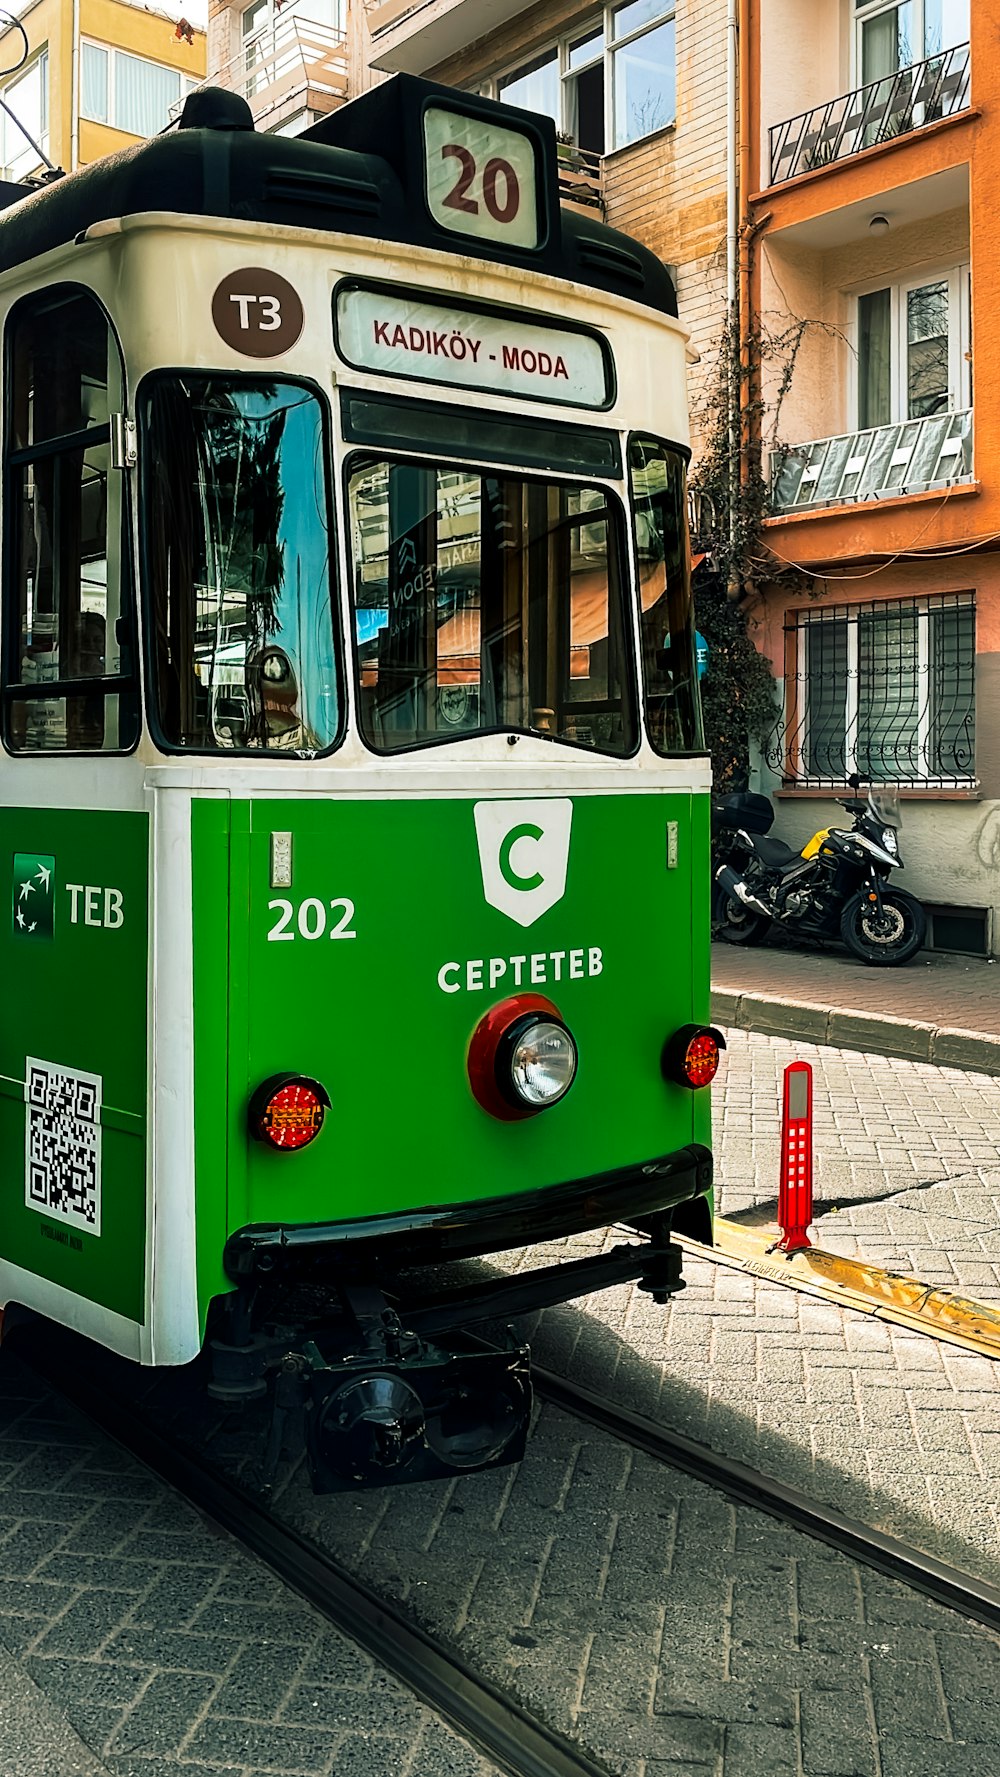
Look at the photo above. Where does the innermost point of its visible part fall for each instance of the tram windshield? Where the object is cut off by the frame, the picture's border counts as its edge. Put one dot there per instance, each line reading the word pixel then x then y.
pixel 488 601
pixel 673 709
pixel 237 548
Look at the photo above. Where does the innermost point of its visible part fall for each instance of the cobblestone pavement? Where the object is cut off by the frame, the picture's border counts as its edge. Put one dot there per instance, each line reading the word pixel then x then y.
pixel 907 1157
pixel 892 1427
pixel 152 1639
pixel 961 992
pixel 670 1631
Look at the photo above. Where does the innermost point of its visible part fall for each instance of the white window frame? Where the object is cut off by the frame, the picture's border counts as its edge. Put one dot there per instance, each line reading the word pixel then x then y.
pixel 26 160
pixel 863 16
pixel 113 51
pixel 922 609
pixel 590 23
pixel 959 364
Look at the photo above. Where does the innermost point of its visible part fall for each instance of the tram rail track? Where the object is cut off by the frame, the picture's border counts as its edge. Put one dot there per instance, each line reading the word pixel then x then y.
pixel 517 1741
pixel 923 1573
pixel 514 1738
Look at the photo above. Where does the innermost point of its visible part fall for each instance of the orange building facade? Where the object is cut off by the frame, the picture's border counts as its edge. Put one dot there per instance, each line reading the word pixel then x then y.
pixel 872 135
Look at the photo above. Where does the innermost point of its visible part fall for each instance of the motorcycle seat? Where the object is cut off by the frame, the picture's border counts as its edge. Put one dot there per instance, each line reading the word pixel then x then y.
pixel 772 852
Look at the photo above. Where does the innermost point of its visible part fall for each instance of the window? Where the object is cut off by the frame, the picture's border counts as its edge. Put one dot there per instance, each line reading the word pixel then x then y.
pixel 128 92
pixel 70 669
pixel 237 565
pixel 673 712
pixel 486 601
pixel 912 356
pixel 895 36
pixel 605 85
pixel 886 690
pixel 28 98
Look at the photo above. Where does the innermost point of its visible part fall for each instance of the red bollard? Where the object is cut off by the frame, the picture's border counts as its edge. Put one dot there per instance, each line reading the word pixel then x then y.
pixel 795 1191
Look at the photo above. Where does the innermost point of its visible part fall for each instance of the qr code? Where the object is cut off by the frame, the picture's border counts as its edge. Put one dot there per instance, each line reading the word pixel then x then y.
pixel 63 1144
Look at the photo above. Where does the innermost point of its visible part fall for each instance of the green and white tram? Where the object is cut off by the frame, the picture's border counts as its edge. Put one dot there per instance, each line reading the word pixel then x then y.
pixel 352 789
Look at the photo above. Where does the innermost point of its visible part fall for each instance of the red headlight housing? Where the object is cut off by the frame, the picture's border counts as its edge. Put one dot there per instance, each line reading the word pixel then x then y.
pixel 287 1112
pixel 691 1056
pixel 522 1058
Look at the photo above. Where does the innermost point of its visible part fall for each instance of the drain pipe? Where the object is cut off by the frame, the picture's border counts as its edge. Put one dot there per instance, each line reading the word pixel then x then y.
pixel 733 330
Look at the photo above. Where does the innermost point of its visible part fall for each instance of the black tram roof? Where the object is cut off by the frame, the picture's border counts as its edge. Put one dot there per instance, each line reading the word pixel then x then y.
pixel 359 170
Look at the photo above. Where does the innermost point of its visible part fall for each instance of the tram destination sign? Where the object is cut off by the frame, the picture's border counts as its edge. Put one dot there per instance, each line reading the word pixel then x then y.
pixel 493 351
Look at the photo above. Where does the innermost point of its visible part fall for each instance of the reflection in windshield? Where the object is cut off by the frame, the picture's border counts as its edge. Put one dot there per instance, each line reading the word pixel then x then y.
pixel 487 602
pixel 238 561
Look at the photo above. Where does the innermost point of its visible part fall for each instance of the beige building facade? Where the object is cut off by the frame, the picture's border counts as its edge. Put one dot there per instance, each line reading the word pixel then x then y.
pixel 638 93
pixel 642 94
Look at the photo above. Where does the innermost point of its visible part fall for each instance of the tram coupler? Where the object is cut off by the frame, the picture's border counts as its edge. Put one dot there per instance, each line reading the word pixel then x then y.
pixel 415 1413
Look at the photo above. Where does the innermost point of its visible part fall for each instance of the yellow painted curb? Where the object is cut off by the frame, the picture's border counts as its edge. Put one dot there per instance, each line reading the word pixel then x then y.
pixel 886 1295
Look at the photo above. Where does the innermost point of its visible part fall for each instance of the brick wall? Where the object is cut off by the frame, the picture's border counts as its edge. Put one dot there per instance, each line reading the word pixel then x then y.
pixel 668 190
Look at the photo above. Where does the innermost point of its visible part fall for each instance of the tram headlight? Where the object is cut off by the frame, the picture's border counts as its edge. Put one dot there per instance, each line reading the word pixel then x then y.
pixel 287 1110
pixel 691 1056
pixel 522 1058
pixel 536 1061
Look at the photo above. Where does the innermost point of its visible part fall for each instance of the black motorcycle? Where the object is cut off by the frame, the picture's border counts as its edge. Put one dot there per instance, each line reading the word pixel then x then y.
pixel 836 886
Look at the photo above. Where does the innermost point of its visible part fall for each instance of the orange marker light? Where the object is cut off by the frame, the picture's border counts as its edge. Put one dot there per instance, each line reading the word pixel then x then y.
pixel 287 1111
pixel 691 1056
pixel 701 1059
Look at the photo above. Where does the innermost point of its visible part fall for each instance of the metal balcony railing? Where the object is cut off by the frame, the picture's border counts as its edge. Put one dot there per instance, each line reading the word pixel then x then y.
pixel 581 179
pixel 296 60
pixel 894 106
pixel 909 458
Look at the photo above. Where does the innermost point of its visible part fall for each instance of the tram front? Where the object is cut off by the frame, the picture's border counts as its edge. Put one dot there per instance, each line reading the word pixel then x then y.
pixel 420 746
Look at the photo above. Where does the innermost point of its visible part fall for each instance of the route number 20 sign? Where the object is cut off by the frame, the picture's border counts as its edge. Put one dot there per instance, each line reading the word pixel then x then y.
pixel 480 178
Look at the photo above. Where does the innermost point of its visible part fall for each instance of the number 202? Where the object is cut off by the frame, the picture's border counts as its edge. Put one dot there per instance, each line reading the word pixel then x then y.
pixel 310 919
pixel 495 170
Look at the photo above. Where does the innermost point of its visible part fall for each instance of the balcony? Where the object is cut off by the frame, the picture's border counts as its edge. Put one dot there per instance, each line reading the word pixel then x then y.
pixel 910 458
pixel 581 181
pixel 411 36
pixel 886 109
pixel 296 66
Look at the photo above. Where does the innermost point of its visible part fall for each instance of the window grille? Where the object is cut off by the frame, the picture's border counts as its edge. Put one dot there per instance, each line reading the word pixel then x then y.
pixel 885 689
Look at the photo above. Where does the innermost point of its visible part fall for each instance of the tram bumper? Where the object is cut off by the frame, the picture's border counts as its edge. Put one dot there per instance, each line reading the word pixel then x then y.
pixel 634 1195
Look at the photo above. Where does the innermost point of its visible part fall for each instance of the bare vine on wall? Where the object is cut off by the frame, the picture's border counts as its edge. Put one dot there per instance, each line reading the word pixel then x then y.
pixel 730 497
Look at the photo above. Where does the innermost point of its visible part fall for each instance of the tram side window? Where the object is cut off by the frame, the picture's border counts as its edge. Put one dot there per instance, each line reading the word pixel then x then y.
pixel 485 601
pixel 673 709
pixel 237 565
pixel 70 682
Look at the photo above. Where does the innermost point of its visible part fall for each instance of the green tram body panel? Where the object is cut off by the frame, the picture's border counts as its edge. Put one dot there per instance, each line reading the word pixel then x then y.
pixel 367 1016
pixel 75 997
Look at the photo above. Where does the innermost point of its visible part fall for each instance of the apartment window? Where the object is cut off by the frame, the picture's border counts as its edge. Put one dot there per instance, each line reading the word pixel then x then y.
pixel 885 689
pixel 128 92
pixel 28 99
pixel 897 36
pixel 913 349
pixel 605 85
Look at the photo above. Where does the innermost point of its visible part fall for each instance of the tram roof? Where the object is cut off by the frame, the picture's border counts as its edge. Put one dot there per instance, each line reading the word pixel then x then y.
pixel 359 171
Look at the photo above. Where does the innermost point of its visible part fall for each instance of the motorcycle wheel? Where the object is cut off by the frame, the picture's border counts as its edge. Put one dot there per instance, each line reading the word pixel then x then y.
pixel 737 924
pixel 885 942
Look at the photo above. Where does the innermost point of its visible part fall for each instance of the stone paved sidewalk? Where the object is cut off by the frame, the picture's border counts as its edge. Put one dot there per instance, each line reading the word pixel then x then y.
pixel 673 1633
pixel 160 1645
pixel 938 1008
pixel 889 1426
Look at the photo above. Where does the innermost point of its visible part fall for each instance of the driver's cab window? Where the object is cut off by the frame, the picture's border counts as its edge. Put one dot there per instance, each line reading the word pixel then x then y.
pixel 69 671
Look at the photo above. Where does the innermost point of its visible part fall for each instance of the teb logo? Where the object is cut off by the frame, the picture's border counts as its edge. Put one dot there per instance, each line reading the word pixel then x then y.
pixel 523 855
pixel 33 895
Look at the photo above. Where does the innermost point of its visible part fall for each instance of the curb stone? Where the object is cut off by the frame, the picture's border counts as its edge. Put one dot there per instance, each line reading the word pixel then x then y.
pixel 873 1033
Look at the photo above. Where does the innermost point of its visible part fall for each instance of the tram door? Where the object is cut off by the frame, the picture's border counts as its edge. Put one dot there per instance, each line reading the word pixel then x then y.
pixel 73 827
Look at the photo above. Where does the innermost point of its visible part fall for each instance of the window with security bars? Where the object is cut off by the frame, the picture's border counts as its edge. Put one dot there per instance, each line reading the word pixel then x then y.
pixel 885 689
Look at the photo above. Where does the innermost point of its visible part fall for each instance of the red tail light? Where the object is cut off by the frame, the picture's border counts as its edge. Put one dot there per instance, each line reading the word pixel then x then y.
pixel 287 1111
pixel 691 1056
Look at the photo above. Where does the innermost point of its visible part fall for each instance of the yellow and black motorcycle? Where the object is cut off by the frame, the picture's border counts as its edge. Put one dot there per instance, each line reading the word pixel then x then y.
pixel 836 886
